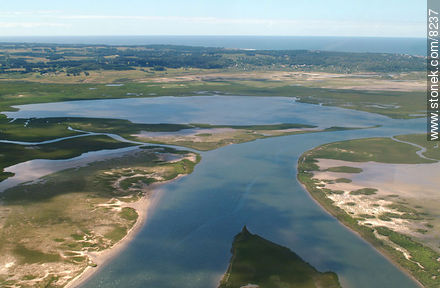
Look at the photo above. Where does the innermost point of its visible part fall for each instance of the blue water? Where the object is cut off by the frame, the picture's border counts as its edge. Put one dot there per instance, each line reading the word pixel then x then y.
pixel 227 110
pixel 413 46
pixel 186 241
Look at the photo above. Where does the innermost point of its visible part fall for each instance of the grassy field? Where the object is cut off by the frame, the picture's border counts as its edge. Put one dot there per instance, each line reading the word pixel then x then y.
pixel 42 129
pixel 105 76
pixel 432 147
pixel 34 130
pixel 258 261
pixel 48 228
pixel 391 222
pixel 383 150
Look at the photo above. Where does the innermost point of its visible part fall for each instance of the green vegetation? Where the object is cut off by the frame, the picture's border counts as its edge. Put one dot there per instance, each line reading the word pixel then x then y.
pixel 74 60
pixel 133 182
pixel 383 150
pixel 344 169
pixel 421 254
pixel 402 208
pixel 5 175
pixel 364 191
pixel 368 216
pixel 340 192
pixel 412 215
pixel 121 127
pixel 343 180
pixel 203 135
pixel 34 130
pixel 116 234
pixel 393 104
pixel 181 168
pixel 128 214
pixel 30 256
pixel 432 147
pixel 258 261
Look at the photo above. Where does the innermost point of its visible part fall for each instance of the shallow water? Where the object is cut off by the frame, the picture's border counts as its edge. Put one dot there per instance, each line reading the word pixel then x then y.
pixel 407 180
pixel 187 240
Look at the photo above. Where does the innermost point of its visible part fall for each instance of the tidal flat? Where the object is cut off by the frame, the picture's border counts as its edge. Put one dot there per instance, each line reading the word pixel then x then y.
pixel 391 199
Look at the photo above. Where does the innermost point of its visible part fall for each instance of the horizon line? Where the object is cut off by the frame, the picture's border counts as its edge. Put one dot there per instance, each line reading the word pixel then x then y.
pixel 216 35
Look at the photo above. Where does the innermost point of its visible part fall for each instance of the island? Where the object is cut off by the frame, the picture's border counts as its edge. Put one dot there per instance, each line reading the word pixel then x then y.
pixel 259 263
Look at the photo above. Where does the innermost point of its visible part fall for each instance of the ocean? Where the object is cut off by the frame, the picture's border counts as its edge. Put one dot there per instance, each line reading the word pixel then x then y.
pixel 411 46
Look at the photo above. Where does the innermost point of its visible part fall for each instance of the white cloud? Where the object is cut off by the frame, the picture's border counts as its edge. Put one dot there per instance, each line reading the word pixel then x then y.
pixel 38 13
pixel 210 25
pixel 317 27
pixel 30 25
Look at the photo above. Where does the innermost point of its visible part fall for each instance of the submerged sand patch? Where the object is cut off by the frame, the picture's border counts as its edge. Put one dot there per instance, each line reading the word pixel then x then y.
pixel 399 186
pixel 405 180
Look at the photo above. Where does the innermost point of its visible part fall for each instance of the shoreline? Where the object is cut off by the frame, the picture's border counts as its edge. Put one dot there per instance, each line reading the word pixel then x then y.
pixel 144 207
pixel 357 234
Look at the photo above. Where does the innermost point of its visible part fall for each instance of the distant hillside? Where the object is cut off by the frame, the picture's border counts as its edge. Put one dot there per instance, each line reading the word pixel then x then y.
pixel 74 59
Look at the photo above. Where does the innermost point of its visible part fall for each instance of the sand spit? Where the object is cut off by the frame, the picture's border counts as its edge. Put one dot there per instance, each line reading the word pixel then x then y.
pixel 144 207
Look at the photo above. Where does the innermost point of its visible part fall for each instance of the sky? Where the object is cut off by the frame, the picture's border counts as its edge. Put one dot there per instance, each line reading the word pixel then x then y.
pixel 370 18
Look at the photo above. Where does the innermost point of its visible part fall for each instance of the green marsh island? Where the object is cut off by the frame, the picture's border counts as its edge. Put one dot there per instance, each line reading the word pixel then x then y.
pixel 259 263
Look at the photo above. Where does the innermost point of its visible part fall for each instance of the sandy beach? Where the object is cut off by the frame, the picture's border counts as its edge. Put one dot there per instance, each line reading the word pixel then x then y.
pixel 144 207
pixel 380 251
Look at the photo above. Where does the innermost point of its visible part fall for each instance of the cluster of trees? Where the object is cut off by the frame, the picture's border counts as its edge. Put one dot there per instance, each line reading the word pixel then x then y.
pixel 74 59
pixel 343 61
